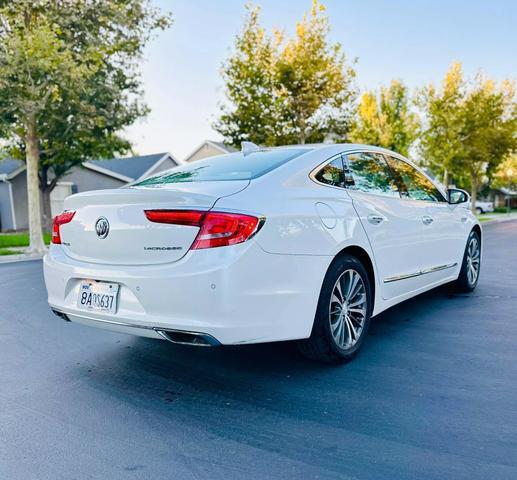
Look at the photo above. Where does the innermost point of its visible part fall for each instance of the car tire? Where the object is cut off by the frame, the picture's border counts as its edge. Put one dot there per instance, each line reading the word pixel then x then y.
pixel 479 210
pixel 332 338
pixel 466 281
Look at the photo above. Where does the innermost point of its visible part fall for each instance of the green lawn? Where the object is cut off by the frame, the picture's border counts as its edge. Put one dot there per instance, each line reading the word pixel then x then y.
pixel 18 240
pixel 7 251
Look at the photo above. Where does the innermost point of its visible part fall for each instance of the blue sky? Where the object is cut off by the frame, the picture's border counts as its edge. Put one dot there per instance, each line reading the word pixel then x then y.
pixel 411 40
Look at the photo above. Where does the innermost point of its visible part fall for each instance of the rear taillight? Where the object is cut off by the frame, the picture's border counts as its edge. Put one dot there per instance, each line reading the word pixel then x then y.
pixel 191 218
pixel 216 229
pixel 59 220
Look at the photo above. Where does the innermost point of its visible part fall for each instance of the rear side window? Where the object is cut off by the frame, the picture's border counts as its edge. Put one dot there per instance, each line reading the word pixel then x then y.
pixel 332 173
pixel 370 173
pixel 234 166
pixel 414 184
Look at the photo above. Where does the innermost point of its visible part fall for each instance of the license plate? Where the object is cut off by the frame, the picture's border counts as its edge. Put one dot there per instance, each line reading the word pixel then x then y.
pixel 98 296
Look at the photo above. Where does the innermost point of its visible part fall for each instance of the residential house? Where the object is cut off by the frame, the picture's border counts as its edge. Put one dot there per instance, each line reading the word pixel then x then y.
pixel 501 196
pixel 92 175
pixel 209 148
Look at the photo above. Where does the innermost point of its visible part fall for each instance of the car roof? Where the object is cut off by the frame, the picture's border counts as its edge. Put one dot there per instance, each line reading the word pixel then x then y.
pixel 343 147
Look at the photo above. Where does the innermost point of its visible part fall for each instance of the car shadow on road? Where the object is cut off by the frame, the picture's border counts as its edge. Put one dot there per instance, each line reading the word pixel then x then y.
pixel 244 393
pixel 143 361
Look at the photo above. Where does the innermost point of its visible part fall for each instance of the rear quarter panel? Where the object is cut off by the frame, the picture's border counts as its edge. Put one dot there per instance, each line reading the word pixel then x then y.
pixel 303 218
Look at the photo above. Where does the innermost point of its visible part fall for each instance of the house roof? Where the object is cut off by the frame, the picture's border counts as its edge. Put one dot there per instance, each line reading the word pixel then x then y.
pixel 222 147
pixel 130 168
pixel 125 169
pixel 10 166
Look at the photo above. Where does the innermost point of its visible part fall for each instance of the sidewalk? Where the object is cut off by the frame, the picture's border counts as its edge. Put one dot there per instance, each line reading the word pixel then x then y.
pixel 19 257
pixel 496 218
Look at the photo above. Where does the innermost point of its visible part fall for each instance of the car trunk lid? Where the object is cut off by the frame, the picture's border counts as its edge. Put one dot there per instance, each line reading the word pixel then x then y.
pixel 131 239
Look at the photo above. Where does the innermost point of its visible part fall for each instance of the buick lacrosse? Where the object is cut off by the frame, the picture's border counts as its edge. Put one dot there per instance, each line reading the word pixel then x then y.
pixel 299 243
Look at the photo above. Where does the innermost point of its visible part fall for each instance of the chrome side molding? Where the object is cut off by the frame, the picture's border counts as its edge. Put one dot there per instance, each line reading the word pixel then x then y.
pixel 421 272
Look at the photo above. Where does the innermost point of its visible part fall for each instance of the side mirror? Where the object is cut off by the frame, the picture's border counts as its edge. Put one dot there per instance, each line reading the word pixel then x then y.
pixel 456 196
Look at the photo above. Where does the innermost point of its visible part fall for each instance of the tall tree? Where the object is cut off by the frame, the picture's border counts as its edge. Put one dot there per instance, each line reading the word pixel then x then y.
pixel 68 84
pixel 315 82
pixel 385 119
pixel 286 90
pixel 470 127
pixel 252 112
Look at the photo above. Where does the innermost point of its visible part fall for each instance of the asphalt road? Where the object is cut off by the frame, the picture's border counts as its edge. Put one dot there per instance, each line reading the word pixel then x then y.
pixel 432 395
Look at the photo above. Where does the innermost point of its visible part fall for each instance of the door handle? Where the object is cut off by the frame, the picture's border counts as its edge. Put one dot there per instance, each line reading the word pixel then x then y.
pixel 375 219
pixel 427 220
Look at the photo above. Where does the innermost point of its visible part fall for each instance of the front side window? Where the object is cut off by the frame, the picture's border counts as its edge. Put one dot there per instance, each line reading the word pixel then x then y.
pixel 414 184
pixel 332 173
pixel 234 166
pixel 371 174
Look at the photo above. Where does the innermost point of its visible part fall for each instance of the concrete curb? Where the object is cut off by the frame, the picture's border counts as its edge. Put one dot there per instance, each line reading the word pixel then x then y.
pixel 23 257
pixel 499 220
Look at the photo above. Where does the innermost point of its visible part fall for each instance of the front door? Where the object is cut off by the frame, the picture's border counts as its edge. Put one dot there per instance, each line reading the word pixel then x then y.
pixel 393 224
pixel 443 237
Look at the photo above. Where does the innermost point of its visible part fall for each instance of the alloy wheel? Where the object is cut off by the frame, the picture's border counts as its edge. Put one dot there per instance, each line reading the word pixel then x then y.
pixel 348 308
pixel 473 260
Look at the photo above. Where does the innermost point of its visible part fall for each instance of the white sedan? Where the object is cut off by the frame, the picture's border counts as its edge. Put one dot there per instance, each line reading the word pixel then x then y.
pixel 292 243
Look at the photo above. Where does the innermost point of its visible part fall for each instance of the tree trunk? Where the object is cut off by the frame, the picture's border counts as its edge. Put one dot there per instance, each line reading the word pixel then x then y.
pixel 47 212
pixel 36 244
pixel 446 178
pixel 302 135
pixel 473 193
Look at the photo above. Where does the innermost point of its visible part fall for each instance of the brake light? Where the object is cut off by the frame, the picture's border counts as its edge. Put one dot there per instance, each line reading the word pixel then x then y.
pixel 175 217
pixel 59 220
pixel 216 229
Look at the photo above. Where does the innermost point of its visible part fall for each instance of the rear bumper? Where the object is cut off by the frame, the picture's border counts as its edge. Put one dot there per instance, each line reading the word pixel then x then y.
pixel 237 294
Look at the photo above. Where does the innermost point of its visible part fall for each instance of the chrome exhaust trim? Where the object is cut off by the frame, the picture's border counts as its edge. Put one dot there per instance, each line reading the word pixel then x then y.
pixel 61 315
pixel 181 337
pixel 188 338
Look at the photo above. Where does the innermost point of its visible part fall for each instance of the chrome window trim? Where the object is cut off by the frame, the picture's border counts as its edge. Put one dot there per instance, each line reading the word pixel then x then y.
pixel 315 170
pixel 425 271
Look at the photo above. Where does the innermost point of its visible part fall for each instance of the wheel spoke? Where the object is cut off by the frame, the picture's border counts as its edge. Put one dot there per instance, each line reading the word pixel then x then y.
pixel 359 301
pixel 339 291
pixel 354 279
pixel 361 311
pixel 341 338
pixel 338 324
pixel 335 299
pixel 352 329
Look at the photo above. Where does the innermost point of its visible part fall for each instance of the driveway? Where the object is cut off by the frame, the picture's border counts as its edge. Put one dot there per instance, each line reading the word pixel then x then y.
pixel 432 395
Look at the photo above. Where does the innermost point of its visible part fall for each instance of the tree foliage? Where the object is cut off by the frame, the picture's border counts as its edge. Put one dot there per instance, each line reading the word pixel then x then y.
pixel 385 119
pixel 286 90
pixel 470 127
pixel 506 174
pixel 69 83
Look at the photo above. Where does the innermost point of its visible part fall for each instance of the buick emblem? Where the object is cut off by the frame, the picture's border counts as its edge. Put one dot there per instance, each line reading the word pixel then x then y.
pixel 102 227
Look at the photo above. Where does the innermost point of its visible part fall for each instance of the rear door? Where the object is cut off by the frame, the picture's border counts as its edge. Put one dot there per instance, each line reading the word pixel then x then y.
pixel 393 225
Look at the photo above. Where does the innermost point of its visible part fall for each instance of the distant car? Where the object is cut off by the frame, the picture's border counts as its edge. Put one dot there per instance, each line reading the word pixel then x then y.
pixel 291 243
pixel 484 207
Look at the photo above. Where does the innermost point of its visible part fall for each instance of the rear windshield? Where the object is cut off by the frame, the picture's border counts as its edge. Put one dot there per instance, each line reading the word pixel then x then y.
pixel 234 166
